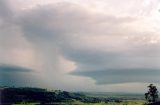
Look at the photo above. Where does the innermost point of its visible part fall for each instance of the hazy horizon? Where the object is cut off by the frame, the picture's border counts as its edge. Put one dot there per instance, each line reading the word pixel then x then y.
pixel 82 92
pixel 80 45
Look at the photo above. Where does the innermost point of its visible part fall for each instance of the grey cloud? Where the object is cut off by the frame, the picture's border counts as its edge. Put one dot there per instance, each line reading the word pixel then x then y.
pixel 115 75
pixel 52 26
pixel 5 10
pixel 141 56
pixel 138 64
pixel 6 13
pixel 13 75
pixel 53 22
pixel 56 30
pixel 13 68
pixel 20 79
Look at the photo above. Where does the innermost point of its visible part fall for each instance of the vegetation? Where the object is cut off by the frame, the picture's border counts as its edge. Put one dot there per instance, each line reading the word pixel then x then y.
pixel 38 96
pixel 152 94
pixel 42 96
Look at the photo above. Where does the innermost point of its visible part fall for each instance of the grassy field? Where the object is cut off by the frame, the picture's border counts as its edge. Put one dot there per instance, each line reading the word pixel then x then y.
pixel 124 102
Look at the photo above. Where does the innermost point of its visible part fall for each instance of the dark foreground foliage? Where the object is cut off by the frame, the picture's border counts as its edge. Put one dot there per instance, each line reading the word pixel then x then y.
pixel 156 103
pixel 18 95
pixel 152 94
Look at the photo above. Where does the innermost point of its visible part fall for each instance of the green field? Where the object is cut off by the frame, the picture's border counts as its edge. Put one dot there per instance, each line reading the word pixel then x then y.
pixel 124 102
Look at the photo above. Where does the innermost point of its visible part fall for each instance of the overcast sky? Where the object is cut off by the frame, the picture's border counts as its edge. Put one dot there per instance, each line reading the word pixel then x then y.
pixel 80 45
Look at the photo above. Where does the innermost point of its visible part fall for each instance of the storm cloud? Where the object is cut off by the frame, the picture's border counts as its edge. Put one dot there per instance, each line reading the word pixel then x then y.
pixel 13 68
pixel 112 76
pixel 79 44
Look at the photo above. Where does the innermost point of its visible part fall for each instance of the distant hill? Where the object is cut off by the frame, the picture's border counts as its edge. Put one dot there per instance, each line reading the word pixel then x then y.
pixel 18 95
pixel 113 94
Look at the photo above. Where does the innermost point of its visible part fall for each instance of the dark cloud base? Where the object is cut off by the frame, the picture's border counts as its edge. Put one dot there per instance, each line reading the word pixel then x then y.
pixel 13 68
pixel 113 76
pixel 13 75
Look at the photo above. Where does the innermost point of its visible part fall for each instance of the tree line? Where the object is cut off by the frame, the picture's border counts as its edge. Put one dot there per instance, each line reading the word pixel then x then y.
pixel 42 96
pixel 152 95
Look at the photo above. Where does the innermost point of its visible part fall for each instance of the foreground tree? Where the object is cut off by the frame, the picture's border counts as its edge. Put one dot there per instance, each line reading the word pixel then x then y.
pixel 152 94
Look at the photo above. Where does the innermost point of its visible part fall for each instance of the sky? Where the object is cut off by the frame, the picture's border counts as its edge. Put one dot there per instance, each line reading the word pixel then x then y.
pixel 80 45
